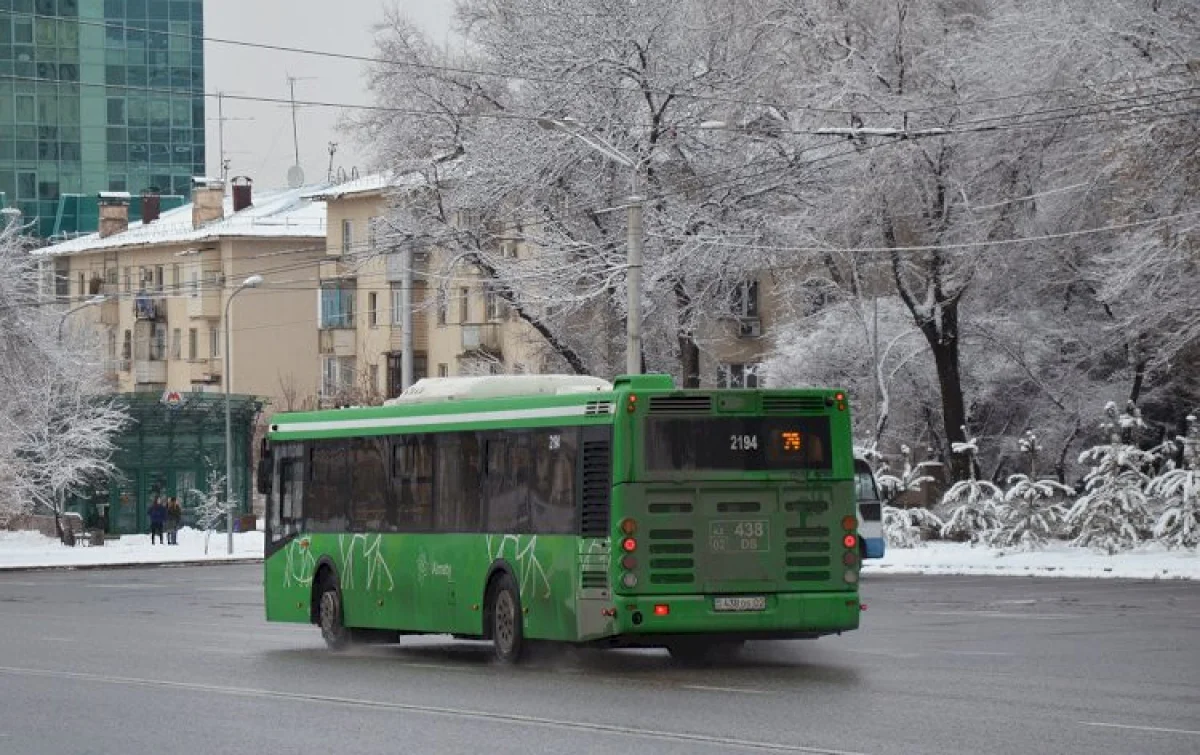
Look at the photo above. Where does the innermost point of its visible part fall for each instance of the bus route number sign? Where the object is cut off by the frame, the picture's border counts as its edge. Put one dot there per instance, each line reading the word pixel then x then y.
pixel 739 535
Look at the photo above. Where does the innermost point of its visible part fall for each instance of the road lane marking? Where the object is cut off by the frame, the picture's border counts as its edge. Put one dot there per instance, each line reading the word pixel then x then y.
pixel 738 690
pixel 1139 728
pixel 974 652
pixel 434 710
pixel 999 614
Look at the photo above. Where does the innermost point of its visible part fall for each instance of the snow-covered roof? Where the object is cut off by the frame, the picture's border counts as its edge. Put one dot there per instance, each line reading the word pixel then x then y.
pixel 286 213
pixel 498 386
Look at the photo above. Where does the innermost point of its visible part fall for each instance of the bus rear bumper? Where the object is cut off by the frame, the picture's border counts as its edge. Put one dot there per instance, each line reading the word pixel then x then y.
pixel 785 615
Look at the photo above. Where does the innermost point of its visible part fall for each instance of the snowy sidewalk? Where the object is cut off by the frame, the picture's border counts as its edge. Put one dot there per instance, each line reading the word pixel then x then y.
pixel 32 550
pixel 1151 561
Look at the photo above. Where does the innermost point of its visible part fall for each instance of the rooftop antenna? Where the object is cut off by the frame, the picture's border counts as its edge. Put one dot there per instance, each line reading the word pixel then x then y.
pixel 221 119
pixel 332 151
pixel 295 173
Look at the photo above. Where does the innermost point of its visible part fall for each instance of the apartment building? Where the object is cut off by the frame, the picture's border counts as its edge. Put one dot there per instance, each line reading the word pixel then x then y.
pixel 460 326
pixel 168 282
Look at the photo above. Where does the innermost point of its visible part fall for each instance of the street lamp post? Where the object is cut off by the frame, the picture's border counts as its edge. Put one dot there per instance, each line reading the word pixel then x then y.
pixel 254 281
pixel 62 319
pixel 633 325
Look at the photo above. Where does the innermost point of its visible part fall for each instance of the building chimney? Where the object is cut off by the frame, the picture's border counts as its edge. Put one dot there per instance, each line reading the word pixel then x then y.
pixel 208 200
pixel 114 212
pixel 242 194
pixel 151 206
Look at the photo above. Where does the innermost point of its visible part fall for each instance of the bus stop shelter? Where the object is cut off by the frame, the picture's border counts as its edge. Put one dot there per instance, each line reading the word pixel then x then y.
pixel 173 442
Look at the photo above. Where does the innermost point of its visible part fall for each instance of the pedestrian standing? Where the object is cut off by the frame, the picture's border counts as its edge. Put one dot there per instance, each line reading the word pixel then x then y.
pixel 158 517
pixel 174 516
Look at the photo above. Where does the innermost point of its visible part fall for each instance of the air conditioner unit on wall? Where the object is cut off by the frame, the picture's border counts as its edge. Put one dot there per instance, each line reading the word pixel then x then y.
pixel 750 328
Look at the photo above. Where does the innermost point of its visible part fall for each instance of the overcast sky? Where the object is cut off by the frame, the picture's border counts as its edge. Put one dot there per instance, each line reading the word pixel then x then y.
pixel 259 144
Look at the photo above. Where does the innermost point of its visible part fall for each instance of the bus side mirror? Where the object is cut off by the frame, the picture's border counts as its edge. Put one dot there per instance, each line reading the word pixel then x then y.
pixel 263 475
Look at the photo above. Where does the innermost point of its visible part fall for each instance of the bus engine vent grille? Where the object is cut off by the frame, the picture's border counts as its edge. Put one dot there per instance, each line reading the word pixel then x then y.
pixel 807 553
pixel 671 560
pixel 598 407
pixel 593 580
pixel 792 404
pixel 597 484
pixel 690 404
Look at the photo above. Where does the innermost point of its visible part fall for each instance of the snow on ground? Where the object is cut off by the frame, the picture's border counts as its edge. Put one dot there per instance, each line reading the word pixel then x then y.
pixel 1151 561
pixel 32 549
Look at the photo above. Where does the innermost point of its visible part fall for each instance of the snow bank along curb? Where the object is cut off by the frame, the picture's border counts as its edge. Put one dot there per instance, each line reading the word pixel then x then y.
pixel 131 564
pixel 1058 560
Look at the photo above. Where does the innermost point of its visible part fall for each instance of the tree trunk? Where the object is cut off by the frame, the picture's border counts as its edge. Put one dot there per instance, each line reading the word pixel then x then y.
pixel 945 356
pixel 689 351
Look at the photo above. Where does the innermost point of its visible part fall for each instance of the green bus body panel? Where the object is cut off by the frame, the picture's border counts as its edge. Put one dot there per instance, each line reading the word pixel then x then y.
pixel 429 583
pixel 571 587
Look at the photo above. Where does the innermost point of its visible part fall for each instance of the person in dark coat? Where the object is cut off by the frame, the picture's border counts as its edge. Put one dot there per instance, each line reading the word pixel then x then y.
pixel 174 517
pixel 158 517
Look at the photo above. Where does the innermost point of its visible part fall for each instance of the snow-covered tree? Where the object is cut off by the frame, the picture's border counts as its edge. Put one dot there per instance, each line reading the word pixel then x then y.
pixel 906 527
pixel 1113 512
pixel 971 505
pixel 1179 490
pixel 57 421
pixel 209 505
pixel 1031 512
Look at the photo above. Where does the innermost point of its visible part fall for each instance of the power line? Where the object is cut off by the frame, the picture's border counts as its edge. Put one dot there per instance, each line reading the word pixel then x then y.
pixel 592 85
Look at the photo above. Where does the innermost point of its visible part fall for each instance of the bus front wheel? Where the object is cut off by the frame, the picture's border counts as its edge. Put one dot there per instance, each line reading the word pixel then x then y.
pixel 508 636
pixel 330 617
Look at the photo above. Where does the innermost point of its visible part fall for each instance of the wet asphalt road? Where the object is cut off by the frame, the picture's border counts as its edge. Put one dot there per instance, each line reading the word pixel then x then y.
pixel 178 660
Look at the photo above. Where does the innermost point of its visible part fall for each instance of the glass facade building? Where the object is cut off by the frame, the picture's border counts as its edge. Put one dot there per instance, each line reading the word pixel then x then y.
pixel 98 95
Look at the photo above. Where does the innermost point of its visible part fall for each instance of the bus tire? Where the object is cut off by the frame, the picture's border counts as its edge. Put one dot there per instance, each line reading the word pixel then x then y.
pixel 330 617
pixel 507 630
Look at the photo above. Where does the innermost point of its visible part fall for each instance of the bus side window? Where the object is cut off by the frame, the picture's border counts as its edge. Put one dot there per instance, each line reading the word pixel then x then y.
pixel 411 507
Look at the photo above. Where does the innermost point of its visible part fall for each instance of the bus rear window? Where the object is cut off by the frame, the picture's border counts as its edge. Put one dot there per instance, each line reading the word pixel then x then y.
pixel 737 443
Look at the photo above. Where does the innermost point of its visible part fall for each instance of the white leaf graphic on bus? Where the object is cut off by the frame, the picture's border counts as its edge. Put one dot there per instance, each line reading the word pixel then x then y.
pixel 300 564
pixel 524 555
pixel 373 561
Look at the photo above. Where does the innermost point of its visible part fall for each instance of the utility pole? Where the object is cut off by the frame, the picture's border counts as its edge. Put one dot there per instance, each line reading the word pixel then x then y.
pixel 221 119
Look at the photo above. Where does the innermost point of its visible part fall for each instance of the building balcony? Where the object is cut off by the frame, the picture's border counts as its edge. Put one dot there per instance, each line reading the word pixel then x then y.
pixel 113 367
pixel 110 312
pixel 149 371
pixel 205 303
pixel 484 337
pixel 420 328
pixel 205 370
pixel 395 265
pixel 336 341
pixel 147 308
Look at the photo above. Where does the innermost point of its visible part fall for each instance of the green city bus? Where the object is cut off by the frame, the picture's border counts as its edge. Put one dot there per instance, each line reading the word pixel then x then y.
pixel 570 509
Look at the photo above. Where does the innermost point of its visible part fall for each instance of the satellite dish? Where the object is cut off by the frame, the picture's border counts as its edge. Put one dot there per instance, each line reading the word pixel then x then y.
pixel 295 177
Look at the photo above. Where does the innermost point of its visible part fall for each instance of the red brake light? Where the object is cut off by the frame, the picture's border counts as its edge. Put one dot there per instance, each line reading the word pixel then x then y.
pixel 849 541
pixel 839 397
pixel 628 562
pixel 629 545
pixel 628 526
pixel 849 522
pixel 631 403
pixel 662 609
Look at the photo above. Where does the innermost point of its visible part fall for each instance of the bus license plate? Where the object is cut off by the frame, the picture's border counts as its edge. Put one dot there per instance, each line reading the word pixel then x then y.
pixel 755 603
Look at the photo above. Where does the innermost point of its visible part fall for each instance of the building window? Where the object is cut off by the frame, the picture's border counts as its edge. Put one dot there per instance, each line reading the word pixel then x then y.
pixel 443 370
pixel 176 343
pixel 464 305
pixel 193 344
pixel 337 375
pixel 175 278
pixel 158 277
pixel 492 304
pixel 214 342
pixel 372 309
pixel 112 343
pixel 82 287
pixel 158 346
pixel 442 306
pixel 373 232
pixel 394 377
pixel 744 302
pixel 740 376
pixel 397 305
pixel 127 346
pixel 347 235
pixel 337 306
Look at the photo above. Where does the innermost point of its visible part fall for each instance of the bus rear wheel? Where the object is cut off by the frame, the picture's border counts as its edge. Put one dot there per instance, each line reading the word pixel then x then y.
pixel 330 617
pixel 508 636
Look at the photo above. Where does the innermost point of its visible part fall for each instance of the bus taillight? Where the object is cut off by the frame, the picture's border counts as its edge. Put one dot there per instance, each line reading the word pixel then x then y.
pixel 629 563
pixel 849 523
pixel 629 545
pixel 662 609
pixel 849 541
pixel 628 526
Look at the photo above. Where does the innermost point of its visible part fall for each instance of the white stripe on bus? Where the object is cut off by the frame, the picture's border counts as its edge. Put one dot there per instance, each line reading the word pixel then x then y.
pixel 431 420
